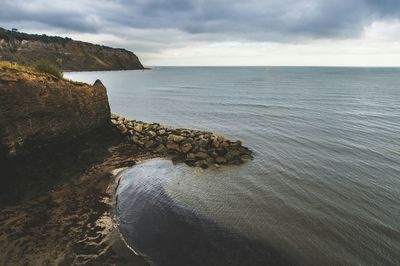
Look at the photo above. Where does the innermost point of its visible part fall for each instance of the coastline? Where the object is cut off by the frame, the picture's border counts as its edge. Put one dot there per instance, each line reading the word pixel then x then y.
pixel 74 222
pixel 60 157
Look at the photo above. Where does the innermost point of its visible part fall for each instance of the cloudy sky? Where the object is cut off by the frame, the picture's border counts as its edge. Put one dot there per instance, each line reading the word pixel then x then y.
pixel 224 32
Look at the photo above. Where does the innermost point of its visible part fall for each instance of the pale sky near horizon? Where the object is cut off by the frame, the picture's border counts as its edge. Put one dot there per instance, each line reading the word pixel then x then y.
pixel 223 32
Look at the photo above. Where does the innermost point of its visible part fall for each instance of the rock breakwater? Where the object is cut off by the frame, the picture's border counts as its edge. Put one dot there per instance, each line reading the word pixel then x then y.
pixel 194 147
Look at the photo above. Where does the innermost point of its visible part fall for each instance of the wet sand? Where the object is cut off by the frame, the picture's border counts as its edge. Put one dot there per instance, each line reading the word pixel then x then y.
pixel 73 223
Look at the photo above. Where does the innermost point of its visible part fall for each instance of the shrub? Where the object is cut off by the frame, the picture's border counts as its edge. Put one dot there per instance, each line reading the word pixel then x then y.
pixel 44 66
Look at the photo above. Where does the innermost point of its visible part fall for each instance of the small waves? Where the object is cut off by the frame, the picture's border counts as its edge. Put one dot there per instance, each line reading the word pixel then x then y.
pixel 324 186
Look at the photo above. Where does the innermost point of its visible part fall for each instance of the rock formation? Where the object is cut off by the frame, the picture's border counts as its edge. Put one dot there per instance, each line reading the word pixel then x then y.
pixel 67 54
pixel 38 109
pixel 194 147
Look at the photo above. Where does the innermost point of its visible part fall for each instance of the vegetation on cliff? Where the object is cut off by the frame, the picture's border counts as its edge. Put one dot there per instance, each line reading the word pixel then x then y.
pixel 41 67
pixel 64 53
pixel 44 66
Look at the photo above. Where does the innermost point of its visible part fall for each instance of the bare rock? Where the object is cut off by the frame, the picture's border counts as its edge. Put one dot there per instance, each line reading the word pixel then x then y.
pixel 138 128
pixel 220 160
pixel 122 128
pixel 186 147
pixel 38 109
pixel 173 146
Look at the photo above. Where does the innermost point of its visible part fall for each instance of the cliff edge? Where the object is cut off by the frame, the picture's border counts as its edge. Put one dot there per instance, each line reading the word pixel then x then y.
pixel 67 54
pixel 39 109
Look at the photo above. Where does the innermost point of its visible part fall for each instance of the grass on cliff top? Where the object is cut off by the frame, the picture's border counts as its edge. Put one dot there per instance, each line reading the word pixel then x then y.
pixel 42 66
pixel 15 66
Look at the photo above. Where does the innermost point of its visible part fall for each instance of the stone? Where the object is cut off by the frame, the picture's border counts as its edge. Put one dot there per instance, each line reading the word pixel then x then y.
pixel 173 146
pixel 237 143
pixel 186 147
pixel 215 143
pixel 135 139
pixel 138 128
pixel 210 160
pixel 148 144
pixel 161 132
pixel 122 128
pixel 232 154
pixel 170 137
pixel 221 139
pixel 190 156
pixel 224 144
pixel 220 160
pixel 152 134
pixel 203 143
pixel 161 148
pixel 200 155
pixel 220 151
pixel 177 138
pixel 188 140
pixel 202 163
pixel 245 157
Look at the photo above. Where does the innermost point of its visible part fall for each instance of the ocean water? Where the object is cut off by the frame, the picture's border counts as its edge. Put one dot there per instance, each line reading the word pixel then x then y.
pixel 323 188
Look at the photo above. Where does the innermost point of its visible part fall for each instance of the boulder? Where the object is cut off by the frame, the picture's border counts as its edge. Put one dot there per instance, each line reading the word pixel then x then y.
pixel 200 155
pixel 173 146
pixel 220 160
pixel 186 147
pixel 138 128
pixel 202 164
pixel 161 149
pixel 122 128
pixel 178 138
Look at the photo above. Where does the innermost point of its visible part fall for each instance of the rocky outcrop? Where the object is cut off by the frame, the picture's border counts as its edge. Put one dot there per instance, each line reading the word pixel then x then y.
pixel 67 54
pixel 194 147
pixel 38 109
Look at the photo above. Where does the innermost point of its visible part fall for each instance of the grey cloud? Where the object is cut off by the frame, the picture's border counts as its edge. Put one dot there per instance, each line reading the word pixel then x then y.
pixel 269 20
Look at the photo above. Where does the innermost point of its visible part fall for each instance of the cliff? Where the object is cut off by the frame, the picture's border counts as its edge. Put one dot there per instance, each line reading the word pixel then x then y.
pixel 39 109
pixel 67 54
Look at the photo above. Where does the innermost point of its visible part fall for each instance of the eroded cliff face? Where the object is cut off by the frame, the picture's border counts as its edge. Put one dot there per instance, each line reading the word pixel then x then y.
pixel 27 49
pixel 37 110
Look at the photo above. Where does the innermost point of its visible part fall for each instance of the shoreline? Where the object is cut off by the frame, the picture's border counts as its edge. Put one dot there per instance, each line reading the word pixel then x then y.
pixel 74 221
pixel 117 240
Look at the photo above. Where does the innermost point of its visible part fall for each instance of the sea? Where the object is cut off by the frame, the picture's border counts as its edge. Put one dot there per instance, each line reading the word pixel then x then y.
pixel 324 185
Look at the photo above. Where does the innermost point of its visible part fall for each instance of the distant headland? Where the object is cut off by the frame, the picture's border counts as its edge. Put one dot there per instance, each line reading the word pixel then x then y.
pixel 65 53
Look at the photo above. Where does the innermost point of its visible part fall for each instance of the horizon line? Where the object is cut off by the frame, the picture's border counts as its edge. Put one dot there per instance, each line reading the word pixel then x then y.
pixel 316 66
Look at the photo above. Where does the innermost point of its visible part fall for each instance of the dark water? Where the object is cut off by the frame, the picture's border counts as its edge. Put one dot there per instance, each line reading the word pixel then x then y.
pixel 324 187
